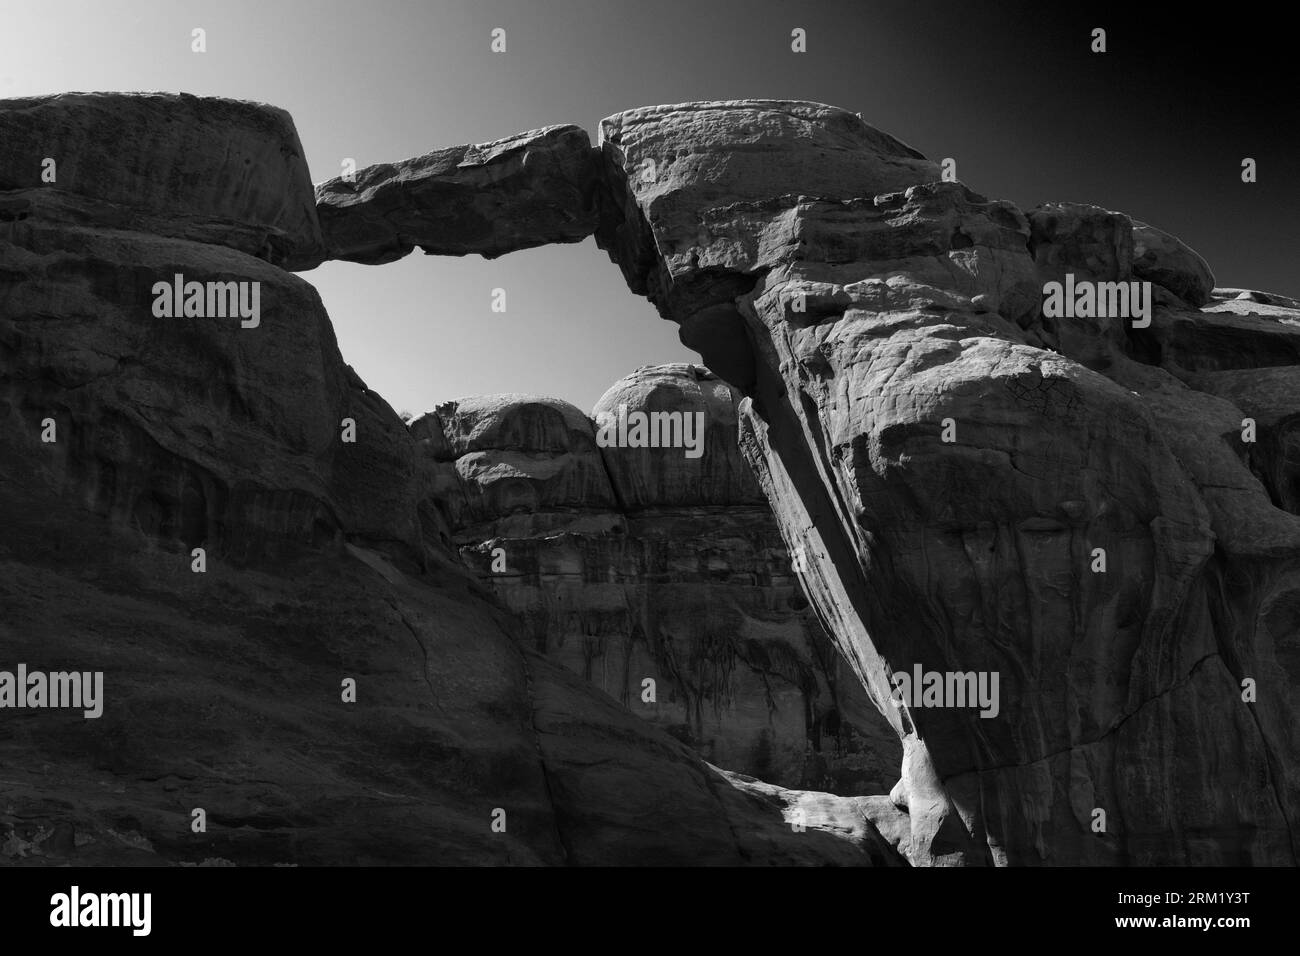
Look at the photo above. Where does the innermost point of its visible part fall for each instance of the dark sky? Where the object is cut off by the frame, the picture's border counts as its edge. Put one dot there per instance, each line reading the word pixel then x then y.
pixel 1156 127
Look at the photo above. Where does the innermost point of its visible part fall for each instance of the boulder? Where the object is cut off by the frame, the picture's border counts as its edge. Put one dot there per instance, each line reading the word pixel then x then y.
pixel 206 169
pixel 669 440
pixel 1168 262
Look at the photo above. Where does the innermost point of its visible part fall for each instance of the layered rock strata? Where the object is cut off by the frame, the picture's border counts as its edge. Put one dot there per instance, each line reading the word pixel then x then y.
pixel 222 519
pixel 1093 504
pixel 216 171
pixel 660 564
pixel 1077 505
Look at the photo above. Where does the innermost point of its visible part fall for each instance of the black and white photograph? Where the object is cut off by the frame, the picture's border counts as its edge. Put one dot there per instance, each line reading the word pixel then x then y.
pixel 448 437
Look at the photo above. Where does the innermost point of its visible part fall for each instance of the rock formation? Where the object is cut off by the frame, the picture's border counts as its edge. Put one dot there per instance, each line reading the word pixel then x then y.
pixel 130 440
pixel 490 199
pixel 212 170
pixel 1095 505
pixel 956 462
pixel 628 564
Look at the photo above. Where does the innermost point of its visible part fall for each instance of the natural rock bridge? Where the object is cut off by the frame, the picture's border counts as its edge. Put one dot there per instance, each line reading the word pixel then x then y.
pixel 952 461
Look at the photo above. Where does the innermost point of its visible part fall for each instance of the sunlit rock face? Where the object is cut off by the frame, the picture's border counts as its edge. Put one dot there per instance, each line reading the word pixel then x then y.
pixel 208 169
pixel 1073 504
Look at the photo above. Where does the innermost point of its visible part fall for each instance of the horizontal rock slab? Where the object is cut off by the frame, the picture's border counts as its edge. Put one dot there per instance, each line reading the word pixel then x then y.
pixel 207 169
pixel 1253 295
pixel 1231 333
pixel 492 198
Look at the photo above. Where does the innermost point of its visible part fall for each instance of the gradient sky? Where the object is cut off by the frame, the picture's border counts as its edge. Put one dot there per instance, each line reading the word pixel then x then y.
pixel 1156 128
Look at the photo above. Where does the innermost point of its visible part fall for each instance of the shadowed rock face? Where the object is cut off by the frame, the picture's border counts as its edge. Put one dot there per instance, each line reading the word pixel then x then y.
pixel 493 198
pixel 223 689
pixel 635 563
pixel 196 429
pixel 953 477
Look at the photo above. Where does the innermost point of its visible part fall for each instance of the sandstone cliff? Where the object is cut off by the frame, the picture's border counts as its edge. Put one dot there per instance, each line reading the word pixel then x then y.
pixel 631 564
pixel 129 440
pixel 953 459
pixel 1098 510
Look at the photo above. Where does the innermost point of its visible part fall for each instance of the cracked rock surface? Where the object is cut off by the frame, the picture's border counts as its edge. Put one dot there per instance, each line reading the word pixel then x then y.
pixel 865 308
pixel 223 688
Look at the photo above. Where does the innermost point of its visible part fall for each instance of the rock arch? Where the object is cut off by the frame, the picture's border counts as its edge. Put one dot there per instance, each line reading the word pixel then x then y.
pixel 824 269
pixel 860 303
